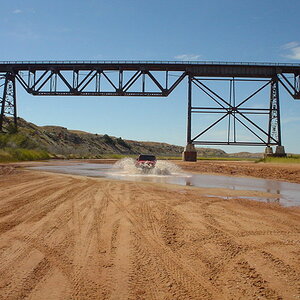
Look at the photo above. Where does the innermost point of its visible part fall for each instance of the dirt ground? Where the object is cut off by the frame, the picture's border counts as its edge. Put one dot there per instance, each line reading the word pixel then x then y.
pixel 72 237
pixel 283 172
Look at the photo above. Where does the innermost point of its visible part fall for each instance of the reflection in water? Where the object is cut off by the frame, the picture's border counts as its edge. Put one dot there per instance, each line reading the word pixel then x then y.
pixel 286 193
pixel 276 199
pixel 188 182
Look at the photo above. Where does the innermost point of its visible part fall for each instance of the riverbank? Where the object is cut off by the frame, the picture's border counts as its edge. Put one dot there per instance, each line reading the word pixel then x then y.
pixel 278 171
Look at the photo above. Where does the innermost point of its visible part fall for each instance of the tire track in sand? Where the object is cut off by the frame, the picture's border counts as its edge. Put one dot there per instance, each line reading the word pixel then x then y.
pixel 172 270
pixel 232 250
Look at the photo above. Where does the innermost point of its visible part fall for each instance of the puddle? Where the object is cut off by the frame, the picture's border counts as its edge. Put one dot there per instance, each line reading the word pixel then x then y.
pixel 287 194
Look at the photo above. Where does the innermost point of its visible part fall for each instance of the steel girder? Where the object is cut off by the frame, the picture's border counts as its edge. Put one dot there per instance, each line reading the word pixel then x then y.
pixel 84 77
pixel 98 82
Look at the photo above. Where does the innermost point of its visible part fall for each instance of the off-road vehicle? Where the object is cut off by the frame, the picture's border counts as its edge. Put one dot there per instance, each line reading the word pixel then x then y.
pixel 145 161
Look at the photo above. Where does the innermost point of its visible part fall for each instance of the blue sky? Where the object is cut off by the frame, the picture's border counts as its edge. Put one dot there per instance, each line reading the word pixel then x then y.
pixel 252 31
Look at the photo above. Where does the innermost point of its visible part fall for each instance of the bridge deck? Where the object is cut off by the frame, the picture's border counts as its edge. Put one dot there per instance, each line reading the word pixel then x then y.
pixel 196 68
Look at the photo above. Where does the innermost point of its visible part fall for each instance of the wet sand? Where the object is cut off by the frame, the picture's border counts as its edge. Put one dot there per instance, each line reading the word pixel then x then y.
pixel 73 237
pixel 277 171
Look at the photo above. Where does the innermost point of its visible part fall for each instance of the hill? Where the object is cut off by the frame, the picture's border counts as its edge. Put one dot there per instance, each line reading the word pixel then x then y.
pixel 60 141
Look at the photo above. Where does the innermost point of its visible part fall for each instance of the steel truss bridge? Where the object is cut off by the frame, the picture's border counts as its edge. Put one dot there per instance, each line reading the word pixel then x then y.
pixel 160 79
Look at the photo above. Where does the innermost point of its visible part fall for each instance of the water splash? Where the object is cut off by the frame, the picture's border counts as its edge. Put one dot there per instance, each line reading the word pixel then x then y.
pixel 127 165
pixel 163 167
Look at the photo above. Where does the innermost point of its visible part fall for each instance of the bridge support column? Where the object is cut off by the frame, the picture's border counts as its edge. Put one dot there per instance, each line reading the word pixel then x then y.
pixel 189 153
pixel 274 122
pixel 8 102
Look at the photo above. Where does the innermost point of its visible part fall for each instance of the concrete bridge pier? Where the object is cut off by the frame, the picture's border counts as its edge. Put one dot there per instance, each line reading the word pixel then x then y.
pixel 279 152
pixel 189 153
pixel 268 151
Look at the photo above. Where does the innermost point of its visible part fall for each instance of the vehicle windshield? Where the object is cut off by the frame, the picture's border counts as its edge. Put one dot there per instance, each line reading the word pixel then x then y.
pixel 147 157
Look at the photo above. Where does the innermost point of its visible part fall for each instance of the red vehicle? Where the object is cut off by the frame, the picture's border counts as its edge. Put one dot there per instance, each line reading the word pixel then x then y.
pixel 145 162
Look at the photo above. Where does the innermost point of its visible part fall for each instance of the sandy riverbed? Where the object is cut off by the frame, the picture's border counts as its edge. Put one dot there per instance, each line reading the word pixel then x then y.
pixel 72 237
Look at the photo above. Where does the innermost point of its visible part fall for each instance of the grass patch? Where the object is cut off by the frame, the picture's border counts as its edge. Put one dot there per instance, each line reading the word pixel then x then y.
pixel 291 159
pixel 5 156
pixel 227 158
pixel 18 147
pixel 20 154
pixel 16 140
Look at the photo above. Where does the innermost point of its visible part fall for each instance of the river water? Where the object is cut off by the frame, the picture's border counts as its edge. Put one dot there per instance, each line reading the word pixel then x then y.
pixel 287 194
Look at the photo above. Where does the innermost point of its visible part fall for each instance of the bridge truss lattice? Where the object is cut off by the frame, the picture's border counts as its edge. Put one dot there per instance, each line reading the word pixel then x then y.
pixel 160 79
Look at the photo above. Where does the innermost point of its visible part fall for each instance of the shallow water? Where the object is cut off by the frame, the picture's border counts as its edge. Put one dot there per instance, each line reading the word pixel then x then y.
pixel 287 194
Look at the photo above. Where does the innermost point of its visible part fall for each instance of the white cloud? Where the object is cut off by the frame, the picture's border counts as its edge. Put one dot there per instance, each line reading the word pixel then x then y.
pixel 292 49
pixel 290 45
pixel 17 11
pixel 295 53
pixel 187 57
